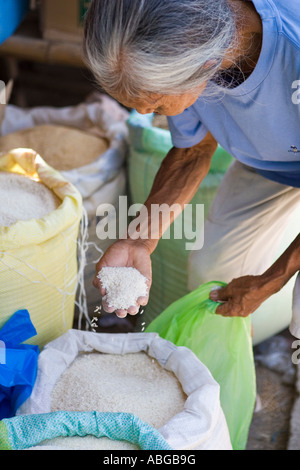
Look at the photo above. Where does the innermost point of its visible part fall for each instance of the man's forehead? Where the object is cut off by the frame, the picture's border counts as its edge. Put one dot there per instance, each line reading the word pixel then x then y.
pixel 149 98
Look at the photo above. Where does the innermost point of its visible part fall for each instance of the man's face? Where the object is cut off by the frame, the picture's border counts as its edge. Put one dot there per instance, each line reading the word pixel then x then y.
pixel 167 105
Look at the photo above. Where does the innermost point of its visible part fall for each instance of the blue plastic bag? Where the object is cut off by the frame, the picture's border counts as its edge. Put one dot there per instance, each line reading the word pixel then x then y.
pixel 12 13
pixel 18 363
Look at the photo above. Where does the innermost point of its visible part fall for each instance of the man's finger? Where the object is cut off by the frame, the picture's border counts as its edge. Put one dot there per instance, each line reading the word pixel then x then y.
pixel 228 309
pixel 121 313
pixel 224 310
pixel 143 301
pixel 219 295
pixel 106 307
pixel 133 310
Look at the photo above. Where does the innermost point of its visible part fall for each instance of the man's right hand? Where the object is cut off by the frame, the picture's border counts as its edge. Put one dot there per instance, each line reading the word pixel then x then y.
pixel 177 181
pixel 126 253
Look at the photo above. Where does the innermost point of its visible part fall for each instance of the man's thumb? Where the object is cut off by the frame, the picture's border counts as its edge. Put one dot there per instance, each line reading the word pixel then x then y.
pixel 219 294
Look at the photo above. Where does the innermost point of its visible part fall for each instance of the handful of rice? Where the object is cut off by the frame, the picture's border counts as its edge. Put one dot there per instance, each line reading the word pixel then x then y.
pixel 123 286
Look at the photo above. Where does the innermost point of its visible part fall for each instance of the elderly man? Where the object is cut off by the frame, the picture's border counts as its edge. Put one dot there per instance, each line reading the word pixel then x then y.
pixel 227 72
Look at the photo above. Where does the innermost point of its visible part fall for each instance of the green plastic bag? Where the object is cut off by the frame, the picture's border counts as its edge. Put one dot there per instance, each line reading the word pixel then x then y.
pixel 224 345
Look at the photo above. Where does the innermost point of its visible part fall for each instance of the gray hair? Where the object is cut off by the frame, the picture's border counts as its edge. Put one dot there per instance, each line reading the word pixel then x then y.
pixel 156 46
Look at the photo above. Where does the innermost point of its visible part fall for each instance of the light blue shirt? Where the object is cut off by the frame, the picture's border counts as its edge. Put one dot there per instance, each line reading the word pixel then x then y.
pixel 258 122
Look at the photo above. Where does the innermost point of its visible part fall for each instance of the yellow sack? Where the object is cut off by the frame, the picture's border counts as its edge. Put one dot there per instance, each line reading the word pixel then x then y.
pixel 38 257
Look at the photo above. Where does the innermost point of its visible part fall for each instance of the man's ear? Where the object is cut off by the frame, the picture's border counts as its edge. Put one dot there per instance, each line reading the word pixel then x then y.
pixel 210 63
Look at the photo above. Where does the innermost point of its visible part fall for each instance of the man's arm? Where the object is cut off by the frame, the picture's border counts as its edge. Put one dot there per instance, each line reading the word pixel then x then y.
pixel 244 295
pixel 176 182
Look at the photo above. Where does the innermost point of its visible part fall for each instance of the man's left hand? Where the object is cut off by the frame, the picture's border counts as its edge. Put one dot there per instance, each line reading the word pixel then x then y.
pixel 242 296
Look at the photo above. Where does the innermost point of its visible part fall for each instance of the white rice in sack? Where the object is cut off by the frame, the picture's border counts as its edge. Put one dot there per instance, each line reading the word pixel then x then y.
pixel 138 375
pixel 22 198
pixel 130 383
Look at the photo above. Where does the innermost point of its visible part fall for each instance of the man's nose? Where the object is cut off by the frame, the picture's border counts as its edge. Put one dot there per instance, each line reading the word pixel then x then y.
pixel 145 110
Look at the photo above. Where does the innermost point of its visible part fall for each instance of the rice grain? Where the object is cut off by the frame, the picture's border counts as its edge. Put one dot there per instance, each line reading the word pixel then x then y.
pixel 124 285
pixel 22 199
pixel 131 383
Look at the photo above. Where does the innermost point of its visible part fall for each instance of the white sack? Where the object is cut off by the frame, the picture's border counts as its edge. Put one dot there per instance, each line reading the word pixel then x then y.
pixel 201 426
pixel 100 116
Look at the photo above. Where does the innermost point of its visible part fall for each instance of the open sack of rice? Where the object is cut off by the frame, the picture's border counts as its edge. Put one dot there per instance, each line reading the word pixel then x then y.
pixel 40 214
pixel 115 379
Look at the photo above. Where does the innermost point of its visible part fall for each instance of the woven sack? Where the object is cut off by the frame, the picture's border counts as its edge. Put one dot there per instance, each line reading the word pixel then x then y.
pixel 200 426
pixel 100 181
pixel 38 257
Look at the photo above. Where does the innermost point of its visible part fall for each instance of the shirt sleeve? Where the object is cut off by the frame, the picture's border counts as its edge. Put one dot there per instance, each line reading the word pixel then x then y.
pixel 186 129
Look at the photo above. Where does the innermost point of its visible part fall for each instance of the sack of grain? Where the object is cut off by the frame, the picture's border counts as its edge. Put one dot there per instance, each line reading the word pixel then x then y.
pixel 165 386
pixel 87 142
pixel 40 214
pixel 62 147
pixel 22 198
pixel 88 145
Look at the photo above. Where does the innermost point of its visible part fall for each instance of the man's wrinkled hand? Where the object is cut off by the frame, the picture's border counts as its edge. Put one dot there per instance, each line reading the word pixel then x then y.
pixel 242 296
pixel 125 253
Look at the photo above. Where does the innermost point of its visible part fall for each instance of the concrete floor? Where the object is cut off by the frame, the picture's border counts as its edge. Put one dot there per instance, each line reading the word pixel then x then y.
pixel 276 377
